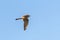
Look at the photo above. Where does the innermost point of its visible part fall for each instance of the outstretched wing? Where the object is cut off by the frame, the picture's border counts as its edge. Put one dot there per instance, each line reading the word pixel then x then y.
pixel 25 23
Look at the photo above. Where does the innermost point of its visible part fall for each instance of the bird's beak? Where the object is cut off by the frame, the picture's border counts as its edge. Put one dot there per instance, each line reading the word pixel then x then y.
pixel 18 18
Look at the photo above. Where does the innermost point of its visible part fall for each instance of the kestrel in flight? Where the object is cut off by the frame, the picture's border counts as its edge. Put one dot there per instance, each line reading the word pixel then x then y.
pixel 25 19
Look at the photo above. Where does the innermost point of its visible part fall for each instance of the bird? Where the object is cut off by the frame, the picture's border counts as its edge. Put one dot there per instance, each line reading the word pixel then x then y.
pixel 25 20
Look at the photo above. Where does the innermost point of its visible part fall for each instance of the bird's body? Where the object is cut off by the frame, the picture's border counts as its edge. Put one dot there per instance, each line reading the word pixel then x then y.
pixel 25 19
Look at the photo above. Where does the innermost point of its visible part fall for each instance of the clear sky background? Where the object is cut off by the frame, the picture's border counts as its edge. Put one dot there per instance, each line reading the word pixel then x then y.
pixel 44 21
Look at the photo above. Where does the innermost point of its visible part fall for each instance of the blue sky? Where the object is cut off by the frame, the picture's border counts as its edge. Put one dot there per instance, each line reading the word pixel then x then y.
pixel 44 21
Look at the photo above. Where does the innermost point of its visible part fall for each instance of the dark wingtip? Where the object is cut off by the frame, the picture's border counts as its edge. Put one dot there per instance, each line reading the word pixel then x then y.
pixel 24 29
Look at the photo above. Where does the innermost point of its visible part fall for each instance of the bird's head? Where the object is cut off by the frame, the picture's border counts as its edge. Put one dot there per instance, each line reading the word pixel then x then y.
pixel 27 15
